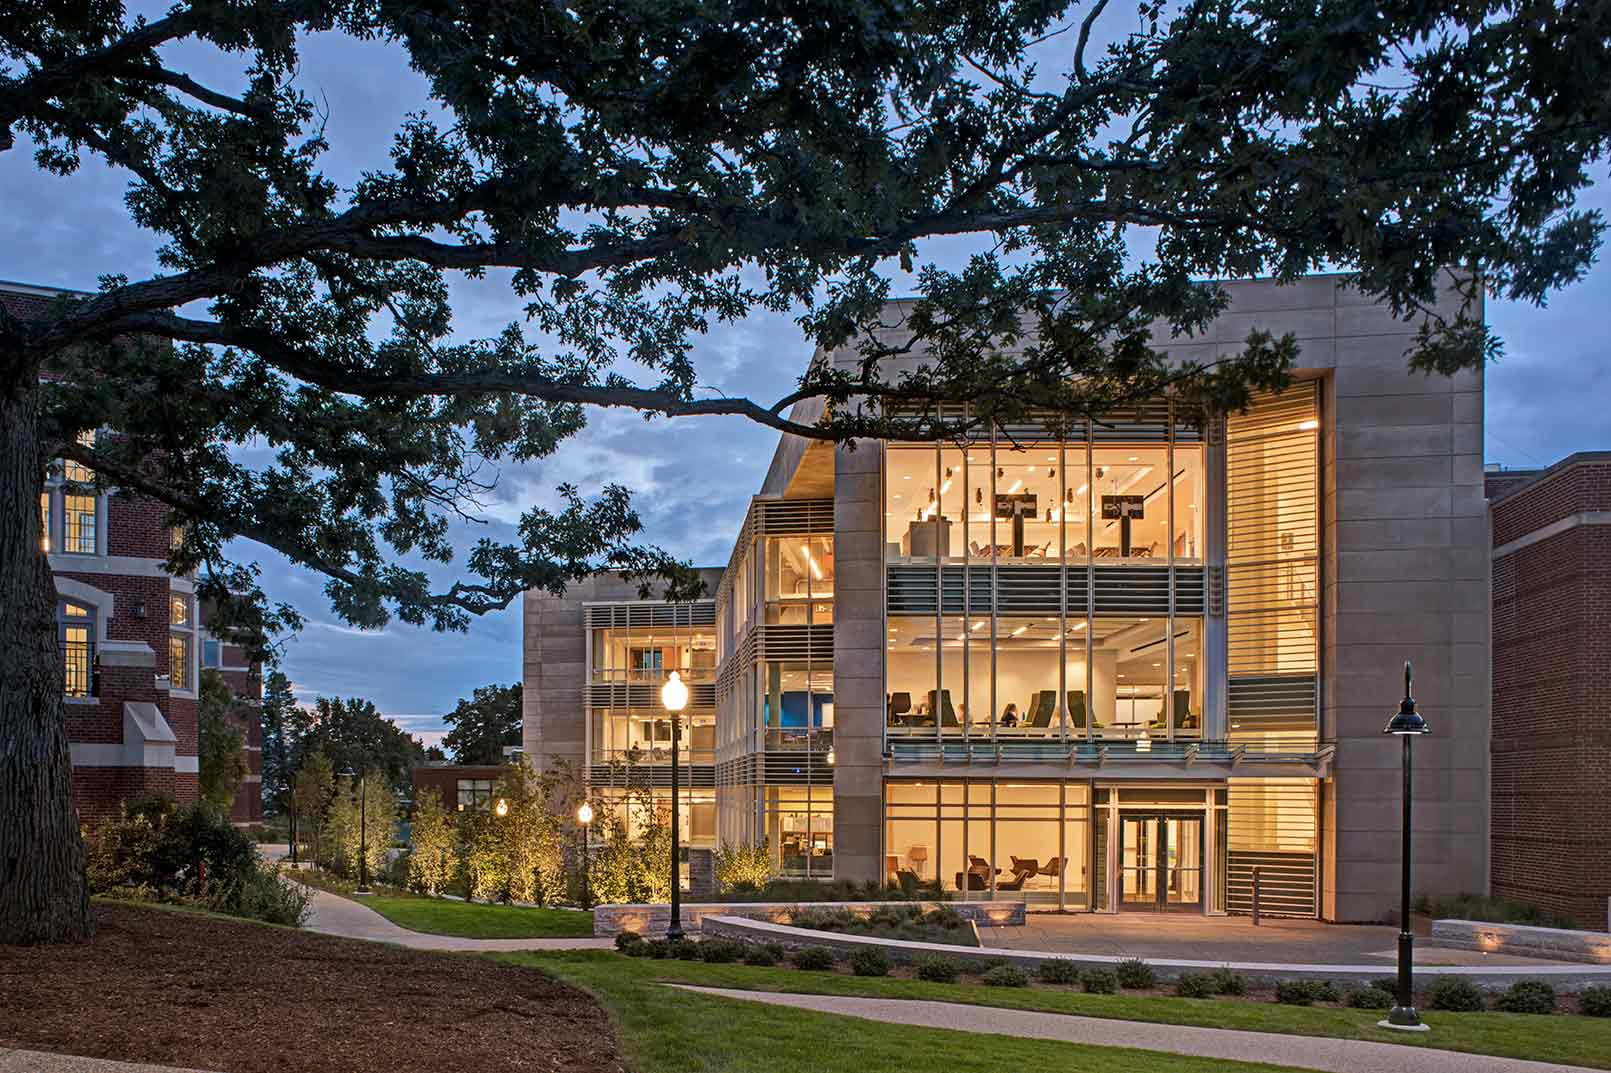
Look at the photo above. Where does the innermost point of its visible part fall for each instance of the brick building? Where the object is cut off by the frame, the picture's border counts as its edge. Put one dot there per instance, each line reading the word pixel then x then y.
pixel 462 787
pixel 1551 841
pixel 132 642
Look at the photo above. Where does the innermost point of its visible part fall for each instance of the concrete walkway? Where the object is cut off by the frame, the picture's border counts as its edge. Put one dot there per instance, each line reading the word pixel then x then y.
pixel 331 914
pixel 15 1061
pixel 1302 1052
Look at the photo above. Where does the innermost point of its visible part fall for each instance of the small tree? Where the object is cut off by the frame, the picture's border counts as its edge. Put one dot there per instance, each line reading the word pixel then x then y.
pixel 743 867
pixel 310 794
pixel 481 857
pixel 219 744
pixel 365 826
pixel 530 835
pixel 433 842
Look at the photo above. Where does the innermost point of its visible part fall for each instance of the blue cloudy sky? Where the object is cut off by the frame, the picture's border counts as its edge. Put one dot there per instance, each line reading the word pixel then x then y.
pixel 692 477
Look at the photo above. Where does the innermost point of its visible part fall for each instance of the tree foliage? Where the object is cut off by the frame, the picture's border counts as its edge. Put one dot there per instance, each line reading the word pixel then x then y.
pixel 360 823
pixel 220 744
pixel 643 170
pixel 355 736
pixel 480 727
pixel 432 844
pixel 281 731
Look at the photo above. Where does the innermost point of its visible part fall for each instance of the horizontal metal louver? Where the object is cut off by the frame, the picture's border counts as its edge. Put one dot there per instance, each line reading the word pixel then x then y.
pixel 643 614
pixel 1145 423
pixel 658 776
pixel 1271 826
pixel 646 695
pixel 1142 590
pixel 795 643
pixel 796 769
pixel 1272 568
pixel 794 517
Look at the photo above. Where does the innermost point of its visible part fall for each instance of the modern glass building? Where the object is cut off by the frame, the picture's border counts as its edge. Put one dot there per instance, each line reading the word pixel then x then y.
pixel 1126 668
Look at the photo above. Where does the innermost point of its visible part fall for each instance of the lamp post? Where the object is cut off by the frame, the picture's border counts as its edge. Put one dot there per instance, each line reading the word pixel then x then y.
pixel 363 831
pixel 1409 725
pixel 674 695
pixel 584 816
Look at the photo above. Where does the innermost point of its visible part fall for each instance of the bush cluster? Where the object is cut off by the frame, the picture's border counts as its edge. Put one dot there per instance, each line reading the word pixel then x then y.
pixel 1099 981
pixel 1005 976
pixel 908 922
pixel 1305 992
pixel 869 961
pixel 1195 985
pixel 1059 971
pixel 1527 996
pixel 1493 910
pixel 721 951
pixel 1369 998
pixel 1595 1002
pixel 937 970
pixel 1227 981
pixel 760 955
pixel 805 891
pixel 1454 994
pixel 1135 974
pixel 813 958
pixel 153 850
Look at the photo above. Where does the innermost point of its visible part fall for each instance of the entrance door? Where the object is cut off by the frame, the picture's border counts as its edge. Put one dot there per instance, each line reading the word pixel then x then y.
pixel 1161 861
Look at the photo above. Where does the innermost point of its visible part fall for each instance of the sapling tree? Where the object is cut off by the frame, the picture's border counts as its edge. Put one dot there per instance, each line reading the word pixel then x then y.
pixel 648 169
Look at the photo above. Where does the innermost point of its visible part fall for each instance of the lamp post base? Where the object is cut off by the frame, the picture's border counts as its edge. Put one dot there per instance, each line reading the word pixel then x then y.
pixel 1404 1019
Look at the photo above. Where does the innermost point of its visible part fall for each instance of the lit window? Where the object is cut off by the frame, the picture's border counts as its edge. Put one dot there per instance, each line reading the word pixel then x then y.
pixel 75 631
pixel 78 524
pixel 44 521
pixel 475 795
pixel 178 609
pixel 179 661
pixel 76 472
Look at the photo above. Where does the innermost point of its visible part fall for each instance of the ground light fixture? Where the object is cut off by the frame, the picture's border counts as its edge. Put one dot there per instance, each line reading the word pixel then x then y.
pixel 674 695
pixel 1408 724
pixel 502 807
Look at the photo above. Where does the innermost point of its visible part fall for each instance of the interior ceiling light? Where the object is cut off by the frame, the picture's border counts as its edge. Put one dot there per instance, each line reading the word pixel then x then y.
pixel 1015 486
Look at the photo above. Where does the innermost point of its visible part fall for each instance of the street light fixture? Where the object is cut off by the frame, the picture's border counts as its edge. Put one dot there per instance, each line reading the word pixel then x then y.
pixel 674 695
pixel 363 831
pixel 1409 725
pixel 502 807
pixel 584 816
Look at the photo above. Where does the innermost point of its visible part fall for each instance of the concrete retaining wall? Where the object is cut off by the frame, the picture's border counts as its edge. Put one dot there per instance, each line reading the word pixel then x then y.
pixel 1565 978
pixel 1557 944
pixel 608 920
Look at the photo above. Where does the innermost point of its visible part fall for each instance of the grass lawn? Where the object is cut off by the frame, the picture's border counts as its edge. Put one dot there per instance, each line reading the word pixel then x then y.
pixel 476 920
pixel 624 984
pixel 663 1031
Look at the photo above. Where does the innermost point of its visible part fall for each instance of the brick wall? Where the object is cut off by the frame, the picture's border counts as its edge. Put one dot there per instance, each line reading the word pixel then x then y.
pixel 444 779
pixel 1551 744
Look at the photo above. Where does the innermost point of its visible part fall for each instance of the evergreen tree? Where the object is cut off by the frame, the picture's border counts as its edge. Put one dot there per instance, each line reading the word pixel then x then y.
pixel 282 726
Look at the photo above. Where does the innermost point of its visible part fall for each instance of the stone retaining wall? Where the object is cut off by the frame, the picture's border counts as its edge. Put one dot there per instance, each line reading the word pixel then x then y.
pixel 608 920
pixel 1564 978
pixel 1557 944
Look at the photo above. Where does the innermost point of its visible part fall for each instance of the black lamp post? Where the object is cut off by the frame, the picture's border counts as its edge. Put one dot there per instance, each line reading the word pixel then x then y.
pixel 674 695
pixel 363 832
pixel 1409 725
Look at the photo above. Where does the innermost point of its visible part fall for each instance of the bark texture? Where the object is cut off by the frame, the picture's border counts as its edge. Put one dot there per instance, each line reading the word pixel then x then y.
pixel 44 894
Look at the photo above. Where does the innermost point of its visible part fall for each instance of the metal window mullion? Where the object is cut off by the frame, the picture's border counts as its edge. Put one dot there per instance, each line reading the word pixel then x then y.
pixel 1090 583
pixel 939 610
pixel 967 607
pixel 1169 629
pixel 1062 595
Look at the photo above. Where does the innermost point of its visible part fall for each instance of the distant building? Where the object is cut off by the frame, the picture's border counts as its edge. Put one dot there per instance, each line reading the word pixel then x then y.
pixel 1552 685
pixel 462 787
pixel 131 638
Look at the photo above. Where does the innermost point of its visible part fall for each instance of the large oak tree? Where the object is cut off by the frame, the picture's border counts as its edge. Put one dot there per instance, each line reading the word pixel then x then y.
pixel 648 168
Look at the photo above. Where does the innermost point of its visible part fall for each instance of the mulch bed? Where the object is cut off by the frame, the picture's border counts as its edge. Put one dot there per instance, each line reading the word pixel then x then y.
pixel 190 990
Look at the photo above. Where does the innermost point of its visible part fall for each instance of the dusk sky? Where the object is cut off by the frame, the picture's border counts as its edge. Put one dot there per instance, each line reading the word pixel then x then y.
pixel 692 477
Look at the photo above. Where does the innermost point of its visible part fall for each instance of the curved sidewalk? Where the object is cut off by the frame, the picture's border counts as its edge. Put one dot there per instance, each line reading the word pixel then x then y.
pixel 332 914
pixel 1231 1045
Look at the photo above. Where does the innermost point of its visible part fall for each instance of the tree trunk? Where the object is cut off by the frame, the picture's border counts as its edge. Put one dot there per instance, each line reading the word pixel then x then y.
pixel 44 894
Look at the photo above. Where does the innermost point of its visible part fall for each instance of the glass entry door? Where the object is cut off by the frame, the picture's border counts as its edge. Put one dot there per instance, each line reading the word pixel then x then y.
pixel 1160 861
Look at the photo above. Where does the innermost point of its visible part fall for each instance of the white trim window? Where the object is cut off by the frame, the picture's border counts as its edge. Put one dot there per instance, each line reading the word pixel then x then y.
pixel 78 524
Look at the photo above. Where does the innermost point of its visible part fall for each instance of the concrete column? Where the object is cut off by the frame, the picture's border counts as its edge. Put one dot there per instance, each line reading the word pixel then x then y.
pixel 1215 632
pixel 859 646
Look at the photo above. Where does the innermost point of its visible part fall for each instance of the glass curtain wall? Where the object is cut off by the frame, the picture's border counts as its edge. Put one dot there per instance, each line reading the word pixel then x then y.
pixel 638 729
pixel 1027 527
pixel 1027 840
pixel 798 821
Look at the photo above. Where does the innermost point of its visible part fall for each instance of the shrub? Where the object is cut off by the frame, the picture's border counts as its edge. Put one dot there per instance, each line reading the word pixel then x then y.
pixel 870 961
pixel 682 949
pixel 1099 981
pixel 1370 998
pixel 1386 983
pixel 1005 976
pixel 626 941
pixel 155 849
pixel 261 893
pixel 655 948
pixel 1195 985
pixel 1305 992
pixel 1453 994
pixel 1135 974
pixel 1527 996
pixel 813 958
pixel 1495 910
pixel 1060 971
pixel 775 949
pixel 432 838
pixel 1594 1002
pixel 760 955
pixel 1228 981
pixel 721 951
pixel 741 867
pixel 937 970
